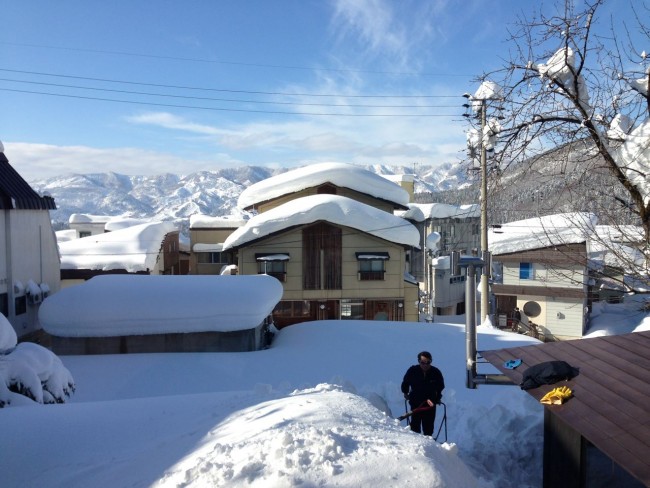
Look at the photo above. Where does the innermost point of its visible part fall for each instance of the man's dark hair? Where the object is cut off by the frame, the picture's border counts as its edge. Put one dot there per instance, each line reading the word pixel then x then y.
pixel 425 354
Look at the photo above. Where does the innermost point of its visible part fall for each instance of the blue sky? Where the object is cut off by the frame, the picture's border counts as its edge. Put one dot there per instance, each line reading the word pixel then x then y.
pixel 271 83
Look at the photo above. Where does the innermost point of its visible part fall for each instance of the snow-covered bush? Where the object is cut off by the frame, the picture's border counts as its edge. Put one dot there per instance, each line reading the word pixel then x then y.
pixel 30 370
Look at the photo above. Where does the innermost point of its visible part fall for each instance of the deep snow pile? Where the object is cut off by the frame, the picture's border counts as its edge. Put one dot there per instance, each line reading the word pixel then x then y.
pixel 316 409
pixel 30 370
pixel 292 441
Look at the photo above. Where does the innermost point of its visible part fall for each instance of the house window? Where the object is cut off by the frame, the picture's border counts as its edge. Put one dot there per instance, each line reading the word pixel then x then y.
pixel 273 265
pixel 292 308
pixel 4 304
pixel 84 233
pixel 321 257
pixel 372 265
pixel 526 271
pixel 20 304
pixel 352 310
pixel 210 258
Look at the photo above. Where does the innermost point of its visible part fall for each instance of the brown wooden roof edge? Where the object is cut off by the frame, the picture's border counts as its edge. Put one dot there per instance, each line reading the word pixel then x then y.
pixel 611 392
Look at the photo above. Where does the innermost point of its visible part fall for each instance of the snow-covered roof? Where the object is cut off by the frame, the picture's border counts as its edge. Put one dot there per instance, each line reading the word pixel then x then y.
pixel 339 174
pixel 208 247
pixel 405 178
pixel 199 221
pixel 116 305
pixel 620 233
pixel 413 213
pixel 617 256
pixel 119 223
pixel 82 218
pixel 540 232
pixel 66 235
pixel 133 249
pixel 444 211
pixel 331 208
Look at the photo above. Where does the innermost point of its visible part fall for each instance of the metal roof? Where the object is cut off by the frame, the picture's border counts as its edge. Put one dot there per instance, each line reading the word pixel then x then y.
pixel 610 406
pixel 15 192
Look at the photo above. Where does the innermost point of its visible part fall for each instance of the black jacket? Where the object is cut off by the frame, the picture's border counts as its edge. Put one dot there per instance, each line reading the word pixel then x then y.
pixel 547 373
pixel 421 386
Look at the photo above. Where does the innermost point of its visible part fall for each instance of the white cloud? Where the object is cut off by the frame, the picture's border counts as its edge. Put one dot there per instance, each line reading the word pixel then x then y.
pixel 170 121
pixel 39 161
pixel 373 21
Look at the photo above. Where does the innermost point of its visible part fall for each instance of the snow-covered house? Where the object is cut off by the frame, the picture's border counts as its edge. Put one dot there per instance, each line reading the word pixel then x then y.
pixel 615 253
pixel 151 248
pixel 541 267
pixel 207 235
pixel 29 261
pixel 327 232
pixel 458 230
pixel 85 225
pixel 114 314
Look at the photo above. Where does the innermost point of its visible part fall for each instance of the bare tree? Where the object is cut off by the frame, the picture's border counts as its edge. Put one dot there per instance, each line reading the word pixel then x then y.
pixel 577 84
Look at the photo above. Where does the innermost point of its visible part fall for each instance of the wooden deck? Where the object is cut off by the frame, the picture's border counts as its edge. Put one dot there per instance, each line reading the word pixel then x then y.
pixel 611 403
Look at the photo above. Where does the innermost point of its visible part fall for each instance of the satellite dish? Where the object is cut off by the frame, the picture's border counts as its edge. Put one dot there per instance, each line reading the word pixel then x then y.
pixel 433 241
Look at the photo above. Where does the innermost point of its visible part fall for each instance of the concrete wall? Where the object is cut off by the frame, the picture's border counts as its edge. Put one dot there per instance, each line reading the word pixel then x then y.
pixel 238 341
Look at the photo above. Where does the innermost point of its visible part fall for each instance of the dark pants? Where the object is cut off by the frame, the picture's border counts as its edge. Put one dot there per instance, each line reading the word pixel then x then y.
pixel 423 421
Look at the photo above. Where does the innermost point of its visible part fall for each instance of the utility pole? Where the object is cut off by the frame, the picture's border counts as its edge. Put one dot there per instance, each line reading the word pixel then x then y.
pixel 485 273
pixel 487 91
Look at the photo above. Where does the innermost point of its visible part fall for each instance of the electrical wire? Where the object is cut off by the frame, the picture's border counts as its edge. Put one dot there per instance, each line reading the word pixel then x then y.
pixel 252 92
pixel 112 90
pixel 219 109
pixel 233 63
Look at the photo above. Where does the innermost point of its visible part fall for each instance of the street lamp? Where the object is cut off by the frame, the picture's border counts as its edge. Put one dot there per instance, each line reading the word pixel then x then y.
pixel 485 141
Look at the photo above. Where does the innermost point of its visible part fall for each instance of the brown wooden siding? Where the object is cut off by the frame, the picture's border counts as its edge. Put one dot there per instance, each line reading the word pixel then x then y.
pixel 611 394
pixel 544 291
pixel 557 255
pixel 326 239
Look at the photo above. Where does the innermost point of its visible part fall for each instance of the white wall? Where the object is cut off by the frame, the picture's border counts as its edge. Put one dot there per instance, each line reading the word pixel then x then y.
pixel 34 256
pixel 571 277
pixel 565 317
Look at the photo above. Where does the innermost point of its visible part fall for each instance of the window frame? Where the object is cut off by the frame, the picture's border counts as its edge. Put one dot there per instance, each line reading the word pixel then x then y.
pixel 526 271
pixel 277 262
pixel 372 265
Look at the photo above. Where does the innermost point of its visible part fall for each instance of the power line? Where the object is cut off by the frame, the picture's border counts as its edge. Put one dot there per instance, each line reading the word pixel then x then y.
pixel 253 92
pixel 60 85
pixel 232 63
pixel 218 109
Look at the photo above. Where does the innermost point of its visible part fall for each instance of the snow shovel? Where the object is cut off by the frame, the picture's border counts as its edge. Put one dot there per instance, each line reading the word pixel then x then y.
pixel 408 419
pixel 422 408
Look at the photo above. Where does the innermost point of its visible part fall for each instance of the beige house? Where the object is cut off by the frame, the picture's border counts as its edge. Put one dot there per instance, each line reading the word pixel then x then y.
pixel 207 235
pixel 542 269
pixel 327 232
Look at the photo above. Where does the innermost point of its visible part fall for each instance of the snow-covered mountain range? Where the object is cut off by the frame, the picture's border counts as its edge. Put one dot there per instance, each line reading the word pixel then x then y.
pixel 215 193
